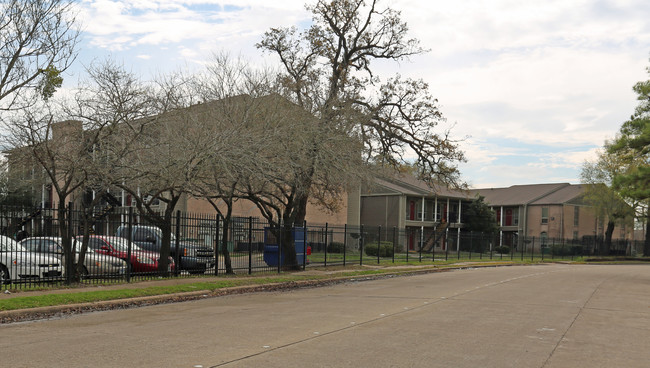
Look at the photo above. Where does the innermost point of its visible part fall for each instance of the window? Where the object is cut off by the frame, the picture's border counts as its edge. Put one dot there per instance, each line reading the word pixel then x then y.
pixel 575 235
pixel 96 244
pixel 141 235
pixel 544 215
pixel 576 216
pixel 31 245
pixel 515 217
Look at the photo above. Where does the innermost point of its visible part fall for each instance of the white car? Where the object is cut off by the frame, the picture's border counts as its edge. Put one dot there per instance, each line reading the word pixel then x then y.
pixel 17 264
pixel 94 263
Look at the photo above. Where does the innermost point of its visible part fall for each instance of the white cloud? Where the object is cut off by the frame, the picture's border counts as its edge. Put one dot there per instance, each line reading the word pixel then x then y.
pixel 552 73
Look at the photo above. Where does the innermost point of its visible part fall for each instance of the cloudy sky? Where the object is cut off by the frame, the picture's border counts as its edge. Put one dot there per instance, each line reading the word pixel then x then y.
pixel 533 87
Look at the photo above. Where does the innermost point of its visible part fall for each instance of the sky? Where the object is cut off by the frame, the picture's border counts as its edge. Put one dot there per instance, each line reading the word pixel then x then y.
pixel 531 89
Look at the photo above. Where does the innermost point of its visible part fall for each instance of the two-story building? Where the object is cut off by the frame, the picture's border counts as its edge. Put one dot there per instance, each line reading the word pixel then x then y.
pixel 546 211
pixel 426 215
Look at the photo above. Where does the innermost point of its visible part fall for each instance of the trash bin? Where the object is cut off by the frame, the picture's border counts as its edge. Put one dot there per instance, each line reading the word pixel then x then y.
pixel 271 254
pixel 271 250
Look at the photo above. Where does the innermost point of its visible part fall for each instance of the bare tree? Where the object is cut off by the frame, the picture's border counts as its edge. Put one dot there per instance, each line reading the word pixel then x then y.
pixel 38 41
pixel 327 71
pixel 69 142
pixel 166 153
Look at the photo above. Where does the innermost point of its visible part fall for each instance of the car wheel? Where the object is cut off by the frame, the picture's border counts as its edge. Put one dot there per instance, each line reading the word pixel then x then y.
pixel 84 271
pixel 5 278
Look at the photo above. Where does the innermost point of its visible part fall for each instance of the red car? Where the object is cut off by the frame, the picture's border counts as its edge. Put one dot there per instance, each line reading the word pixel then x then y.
pixel 141 260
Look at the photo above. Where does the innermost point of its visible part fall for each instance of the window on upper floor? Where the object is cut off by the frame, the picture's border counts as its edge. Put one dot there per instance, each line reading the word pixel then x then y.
pixel 576 216
pixel 544 215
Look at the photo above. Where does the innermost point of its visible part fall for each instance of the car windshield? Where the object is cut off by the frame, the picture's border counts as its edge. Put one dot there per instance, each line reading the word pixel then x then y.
pixel 77 247
pixel 122 244
pixel 9 245
pixel 159 234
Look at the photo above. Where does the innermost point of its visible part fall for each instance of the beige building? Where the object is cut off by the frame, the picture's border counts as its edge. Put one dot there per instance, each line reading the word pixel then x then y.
pixel 425 215
pixel 546 211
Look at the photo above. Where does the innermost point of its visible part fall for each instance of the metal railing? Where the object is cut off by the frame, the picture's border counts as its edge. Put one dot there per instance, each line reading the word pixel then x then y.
pixel 121 245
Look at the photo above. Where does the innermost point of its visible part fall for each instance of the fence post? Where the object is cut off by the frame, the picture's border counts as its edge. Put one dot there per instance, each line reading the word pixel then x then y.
pixel 407 245
pixel 345 242
pixel 216 246
pixel 250 244
pixel 420 249
pixel 280 231
pixel 532 250
pixel 378 243
pixel 326 230
pixel 304 244
pixel 471 244
pixel 491 243
pixel 446 246
pixel 394 241
pixel 361 245
pixel 178 234
pixel 129 239
pixel 70 275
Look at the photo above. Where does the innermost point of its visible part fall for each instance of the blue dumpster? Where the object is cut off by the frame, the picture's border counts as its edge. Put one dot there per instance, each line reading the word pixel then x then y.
pixel 271 247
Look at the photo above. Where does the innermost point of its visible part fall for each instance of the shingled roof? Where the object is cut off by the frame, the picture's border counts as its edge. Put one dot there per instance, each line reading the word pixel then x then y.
pixel 540 194
pixel 409 185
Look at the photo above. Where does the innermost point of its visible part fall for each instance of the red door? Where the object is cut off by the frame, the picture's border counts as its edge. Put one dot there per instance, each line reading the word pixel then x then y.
pixel 412 210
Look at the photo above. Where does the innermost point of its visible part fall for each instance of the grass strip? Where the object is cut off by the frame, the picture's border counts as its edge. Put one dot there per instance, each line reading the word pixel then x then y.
pixel 36 301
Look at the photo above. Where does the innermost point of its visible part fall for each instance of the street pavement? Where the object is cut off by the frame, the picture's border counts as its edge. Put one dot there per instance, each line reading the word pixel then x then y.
pixel 519 316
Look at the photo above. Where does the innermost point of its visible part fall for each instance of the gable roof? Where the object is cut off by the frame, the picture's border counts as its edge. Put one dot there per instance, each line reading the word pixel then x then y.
pixel 411 186
pixel 533 194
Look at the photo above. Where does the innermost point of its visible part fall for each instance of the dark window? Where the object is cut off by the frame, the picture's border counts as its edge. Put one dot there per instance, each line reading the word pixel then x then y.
pixel 141 235
pixel 50 246
pixel 31 245
pixel 94 243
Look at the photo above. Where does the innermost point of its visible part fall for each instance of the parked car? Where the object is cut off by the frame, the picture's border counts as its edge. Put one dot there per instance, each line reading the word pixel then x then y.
pixel 18 264
pixel 94 263
pixel 192 258
pixel 141 260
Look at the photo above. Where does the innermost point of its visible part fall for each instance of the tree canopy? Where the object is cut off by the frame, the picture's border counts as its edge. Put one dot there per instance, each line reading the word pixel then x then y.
pixel 38 41
pixel 632 147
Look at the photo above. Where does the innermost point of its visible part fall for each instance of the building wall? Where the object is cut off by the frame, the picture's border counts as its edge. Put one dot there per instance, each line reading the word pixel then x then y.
pixel 244 208
pixel 381 211
pixel 561 223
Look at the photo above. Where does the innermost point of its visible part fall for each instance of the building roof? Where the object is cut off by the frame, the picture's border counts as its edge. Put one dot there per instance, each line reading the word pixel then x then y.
pixel 531 194
pixel 409 185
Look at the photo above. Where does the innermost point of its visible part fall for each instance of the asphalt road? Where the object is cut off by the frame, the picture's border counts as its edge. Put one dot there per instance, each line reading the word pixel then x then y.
pixel 522 316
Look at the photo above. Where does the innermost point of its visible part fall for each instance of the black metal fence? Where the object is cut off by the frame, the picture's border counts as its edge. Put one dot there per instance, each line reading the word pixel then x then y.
pixel 121 245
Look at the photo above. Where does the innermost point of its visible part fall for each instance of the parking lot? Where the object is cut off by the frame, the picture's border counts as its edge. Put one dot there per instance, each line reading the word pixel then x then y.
pixel 521 316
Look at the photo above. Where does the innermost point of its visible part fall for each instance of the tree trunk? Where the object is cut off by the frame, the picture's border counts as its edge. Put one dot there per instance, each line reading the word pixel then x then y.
pixel 288 247
pixel 165 246
pixel 224 245
pixel 608 238
pixel 66 242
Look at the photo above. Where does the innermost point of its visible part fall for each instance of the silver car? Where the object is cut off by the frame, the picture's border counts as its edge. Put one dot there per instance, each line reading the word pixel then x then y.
pixel 19 264
pixel 94 263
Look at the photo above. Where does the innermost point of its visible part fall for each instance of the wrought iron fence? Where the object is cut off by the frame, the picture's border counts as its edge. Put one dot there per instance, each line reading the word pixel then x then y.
pixel 120 245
